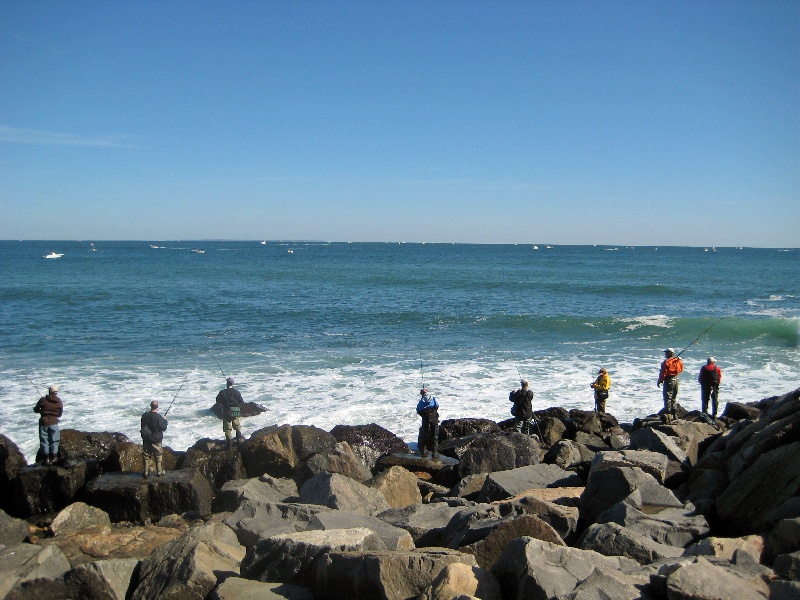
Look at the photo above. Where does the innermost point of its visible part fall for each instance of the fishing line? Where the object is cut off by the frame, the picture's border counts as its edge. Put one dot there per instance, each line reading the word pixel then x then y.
pixel 706 330
pixel 33 384
pixel 176 395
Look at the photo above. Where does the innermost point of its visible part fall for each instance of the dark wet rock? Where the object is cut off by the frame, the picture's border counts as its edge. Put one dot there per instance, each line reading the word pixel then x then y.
pixel 192 565
pixel 40 489
pixel 499 452
pixel 12 530
pixel 443 470
pixel 369 442
pixel 500 485
pixel 11 462
pixel 293 557
pixel 591 441
pixel 337 491
pixel 254 520
pixel 611 539
pixel 552 430
pixel 390 575
pixel 531 568
pixel 249 409
pixel 25 563
pixel 456 428
pixel 784 590
pixel 262 489
pixel 213 459
pixel 570 455
pixel 784 538
pixel 131 497
pixel 787 566
pixel 281 450
pixel 425 522
pixel 85 445
pixel 739 411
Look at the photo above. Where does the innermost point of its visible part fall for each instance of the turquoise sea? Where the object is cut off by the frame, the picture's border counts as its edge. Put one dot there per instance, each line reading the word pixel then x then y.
pixel 328 333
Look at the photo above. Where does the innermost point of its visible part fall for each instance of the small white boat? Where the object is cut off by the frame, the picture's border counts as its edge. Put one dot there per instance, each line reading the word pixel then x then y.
pixel 53 255
pixel 198 251
pixel 154 246
pixel 290 251
pixel 535 247
pixel 263 242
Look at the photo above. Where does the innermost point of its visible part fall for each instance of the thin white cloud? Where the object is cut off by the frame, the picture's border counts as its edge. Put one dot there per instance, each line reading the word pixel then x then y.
pixel 16 135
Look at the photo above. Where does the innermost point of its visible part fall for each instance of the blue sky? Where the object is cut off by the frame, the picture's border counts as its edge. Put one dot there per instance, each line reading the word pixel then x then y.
pixel 616 122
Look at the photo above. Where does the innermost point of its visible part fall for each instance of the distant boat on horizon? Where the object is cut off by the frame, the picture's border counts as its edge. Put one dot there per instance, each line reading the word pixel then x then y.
pixel 263 242
pixel 535 248
pixel 53 255
pixel 198 251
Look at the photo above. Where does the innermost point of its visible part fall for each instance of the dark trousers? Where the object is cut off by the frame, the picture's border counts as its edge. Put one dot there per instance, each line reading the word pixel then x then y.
pixel 428 436
pixel 709 392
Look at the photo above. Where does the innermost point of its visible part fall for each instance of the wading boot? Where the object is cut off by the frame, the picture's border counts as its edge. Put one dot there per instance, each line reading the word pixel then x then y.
pixel 159 466
pixel 229 444
pixel 53 459
pixel 239 437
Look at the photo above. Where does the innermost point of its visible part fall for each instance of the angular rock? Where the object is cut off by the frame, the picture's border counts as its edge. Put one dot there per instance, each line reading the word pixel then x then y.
pixel 500 485
pixel 443 470
pixel 23 563
pixel 39 489
pixel 382 575
pixel 649 438
pixel 469 487
pixel 673 526
pixel 499 452
pixel 255 520
pixel 593 442
pixel 701 579
pixel 340 460
pixel 610 539
pixel 425 522
pixel 563 519
pixel 784 590
pixel 394 538
pixel 249 409
pixel 727 547
pixel 281 450
pixel 788 566
pixel 456 428
pixel 236 588
pixel 458 580
pixel 369 442
pixel 79 515
pixel 103 579
pixel 754 500
pixel 783 539
pixel 131 497
pixel 258 489
pixel 531 568
pixel 12 530
pixel 217 464
pixel 399 486
pixel 127 457
pixel 292 557
pixel 11 461
pixel 337 491
pixel 568 455
pixel 654 463
pixel 552 430
pixel 191 566
pixel 87 445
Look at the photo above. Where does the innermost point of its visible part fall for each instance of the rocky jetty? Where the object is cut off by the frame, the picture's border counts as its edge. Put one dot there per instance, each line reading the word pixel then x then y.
pixel 587 508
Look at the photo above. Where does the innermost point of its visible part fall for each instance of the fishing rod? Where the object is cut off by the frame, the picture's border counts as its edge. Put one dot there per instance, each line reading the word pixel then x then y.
pixel 533 414
pixel 422 372
pixel 701 335
pixel 218 363
pixel 175 396
pixel 34 385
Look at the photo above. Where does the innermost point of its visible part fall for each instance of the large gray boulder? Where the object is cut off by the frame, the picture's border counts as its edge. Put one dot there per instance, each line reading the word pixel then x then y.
pixel 12 530
pixel 394 538
pixel 258 489
pixel 341 459
pixel 255 520
pixel 236 588
pixel 192 565
pixel 398 485
pixel 339 492
pixel 79 515
pixel 654 463
pixel 649 438
pixel 282 450
pixel 563 519
pixel 673 526
pixel 382 575
pixel 425 522
pixel 500 485
pixel 475 523
pixel 217 464
pixel 103 579
pixel 458 580
pixel 292 557
pixel 701 579
pixel 91 445
pixel 611 539
pixel 531 568
pixel 25 563
pixel 369 442
pixel 131 497
pixel 499 452
pixel 11 461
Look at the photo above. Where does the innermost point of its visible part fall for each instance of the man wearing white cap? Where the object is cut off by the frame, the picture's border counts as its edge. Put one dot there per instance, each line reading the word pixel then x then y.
pixel 231 402
pixel 709 378
pixel 668 376
pixel 50 409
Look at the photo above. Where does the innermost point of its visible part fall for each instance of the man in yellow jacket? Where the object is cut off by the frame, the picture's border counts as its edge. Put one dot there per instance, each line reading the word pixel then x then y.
pixel 601 386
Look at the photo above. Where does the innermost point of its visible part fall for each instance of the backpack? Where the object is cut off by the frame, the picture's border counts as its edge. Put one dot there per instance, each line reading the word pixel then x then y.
pixel 147 435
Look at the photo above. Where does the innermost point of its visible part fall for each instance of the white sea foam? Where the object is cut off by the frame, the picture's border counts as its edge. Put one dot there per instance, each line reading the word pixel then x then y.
pixel 647 321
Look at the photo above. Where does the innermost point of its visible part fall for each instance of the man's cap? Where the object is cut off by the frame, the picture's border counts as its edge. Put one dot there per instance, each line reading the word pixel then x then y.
pixel 423 391
pixel 602 371
pixel 711 360
pixel 229 380
pixel 53 388
pixel 669 351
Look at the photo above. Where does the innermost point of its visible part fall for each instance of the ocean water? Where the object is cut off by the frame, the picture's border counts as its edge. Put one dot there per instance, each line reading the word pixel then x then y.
pixel 330 333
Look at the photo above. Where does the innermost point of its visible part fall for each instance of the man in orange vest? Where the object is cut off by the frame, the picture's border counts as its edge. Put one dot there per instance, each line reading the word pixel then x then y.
pixel 670 369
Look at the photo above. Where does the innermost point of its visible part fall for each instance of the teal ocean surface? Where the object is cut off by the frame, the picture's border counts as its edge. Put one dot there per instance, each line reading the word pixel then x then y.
pixel 330 333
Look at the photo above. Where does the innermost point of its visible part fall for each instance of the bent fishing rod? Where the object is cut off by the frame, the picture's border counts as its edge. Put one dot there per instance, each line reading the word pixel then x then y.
pixel 218 363
pixel 34 385
pixel 706 330
pixel 175 396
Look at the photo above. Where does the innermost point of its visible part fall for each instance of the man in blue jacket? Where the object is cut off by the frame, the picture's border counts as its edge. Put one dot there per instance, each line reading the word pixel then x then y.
pixel 428 409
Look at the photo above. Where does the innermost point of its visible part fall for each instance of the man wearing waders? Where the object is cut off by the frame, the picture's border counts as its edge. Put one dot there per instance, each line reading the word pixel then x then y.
pixel 668 376
pixel 153 428
pixel 710 377
pixel 601 386
pixel 523 407
pixel 231 402
pixel 50 409
pixel 428 409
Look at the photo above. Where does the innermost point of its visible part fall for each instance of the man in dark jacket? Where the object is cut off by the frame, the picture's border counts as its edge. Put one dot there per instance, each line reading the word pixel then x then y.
pixel 428 409
pixel 523 407
pixel 709 378
pixel 153 428
pixel 231 402
pixel 50 408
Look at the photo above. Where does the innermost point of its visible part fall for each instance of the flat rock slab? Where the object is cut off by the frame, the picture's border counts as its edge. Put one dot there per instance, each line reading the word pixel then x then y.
pixel 500 485
pixel 654 463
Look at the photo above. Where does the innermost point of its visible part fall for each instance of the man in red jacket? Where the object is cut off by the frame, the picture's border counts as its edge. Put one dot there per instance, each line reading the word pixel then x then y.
pixel 668 376
pixel 50 409
pixel 710 378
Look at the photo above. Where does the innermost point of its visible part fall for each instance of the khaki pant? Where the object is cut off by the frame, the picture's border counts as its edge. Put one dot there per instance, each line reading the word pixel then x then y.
pixel 229 425
pixel 153 456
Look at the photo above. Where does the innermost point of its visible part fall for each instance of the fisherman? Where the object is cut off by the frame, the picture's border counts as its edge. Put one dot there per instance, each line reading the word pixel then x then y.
pixel 50 409
pixel 153 428
pixel 523 407
pixel 710 378
pixel 231 402
pixel 670 369
pixel 601 386
pixel 428 409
